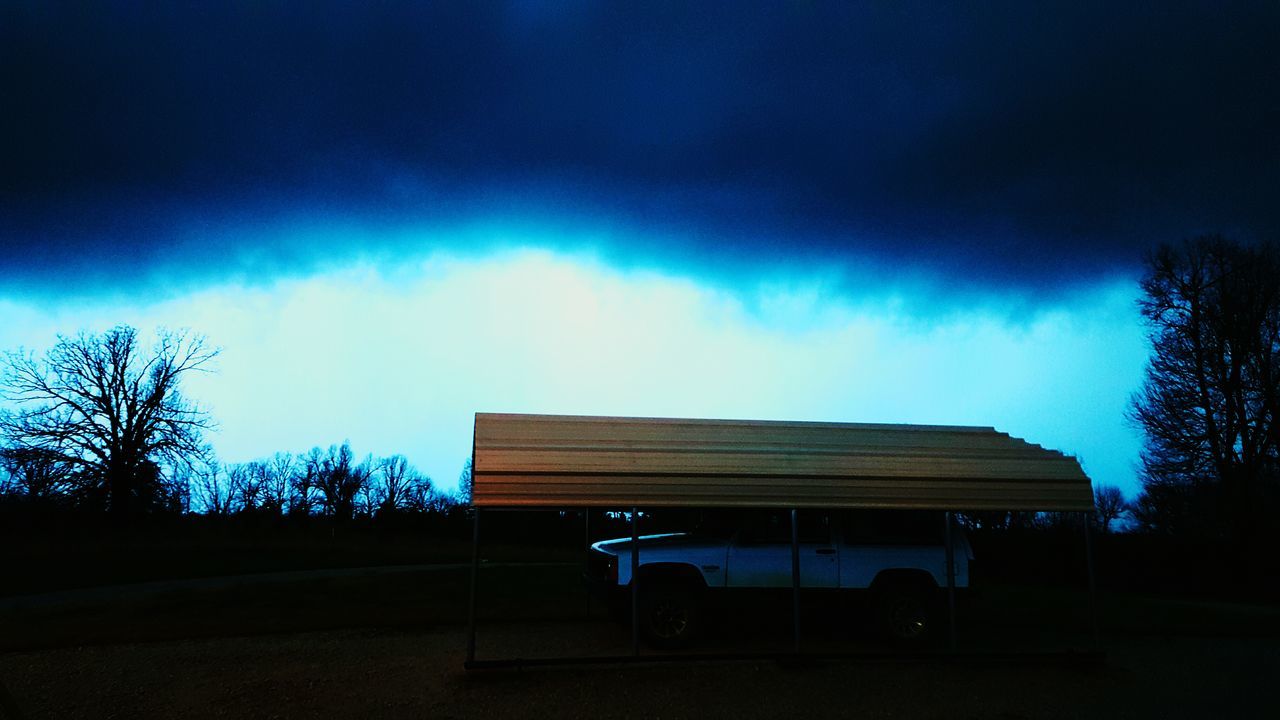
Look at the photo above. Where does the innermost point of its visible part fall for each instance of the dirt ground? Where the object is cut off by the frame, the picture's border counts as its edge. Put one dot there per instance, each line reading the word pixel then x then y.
pixel 400 674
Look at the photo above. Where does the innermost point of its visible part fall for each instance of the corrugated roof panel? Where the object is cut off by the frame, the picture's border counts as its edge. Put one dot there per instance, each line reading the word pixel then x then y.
pixel 575 461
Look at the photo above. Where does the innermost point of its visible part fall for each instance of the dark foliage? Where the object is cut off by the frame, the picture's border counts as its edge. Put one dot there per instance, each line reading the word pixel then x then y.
pixel 1203 568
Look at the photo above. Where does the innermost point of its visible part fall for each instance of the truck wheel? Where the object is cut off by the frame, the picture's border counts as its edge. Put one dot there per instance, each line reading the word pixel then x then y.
pixel 669 615
pixel 905 614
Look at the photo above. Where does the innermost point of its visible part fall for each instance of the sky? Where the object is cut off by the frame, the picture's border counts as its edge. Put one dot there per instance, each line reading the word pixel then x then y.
pixel 394 215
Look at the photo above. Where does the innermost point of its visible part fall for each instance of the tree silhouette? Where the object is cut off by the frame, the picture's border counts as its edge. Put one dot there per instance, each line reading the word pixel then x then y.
pixel 400 486
pixel 109 413
pixel 1210 400
pixel 35 475
pixel 464 484
pixel 1109 505
pixel 251 487
pixel 337 479
pixel 279 474
pixel 214 490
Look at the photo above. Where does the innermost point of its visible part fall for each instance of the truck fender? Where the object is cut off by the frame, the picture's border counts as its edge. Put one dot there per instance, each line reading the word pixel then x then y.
pixel 904 577
pixel 672 573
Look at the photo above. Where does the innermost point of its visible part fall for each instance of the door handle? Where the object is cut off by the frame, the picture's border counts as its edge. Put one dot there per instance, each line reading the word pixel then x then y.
pixel 826 551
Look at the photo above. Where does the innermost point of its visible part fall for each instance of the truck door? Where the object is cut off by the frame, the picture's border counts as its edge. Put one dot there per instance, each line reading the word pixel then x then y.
pixel 879 540
pixel 760 552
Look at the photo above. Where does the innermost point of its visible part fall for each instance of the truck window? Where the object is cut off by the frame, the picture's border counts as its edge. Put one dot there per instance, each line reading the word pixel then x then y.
pixel 716 524
pixel 892 527
pixel 773 527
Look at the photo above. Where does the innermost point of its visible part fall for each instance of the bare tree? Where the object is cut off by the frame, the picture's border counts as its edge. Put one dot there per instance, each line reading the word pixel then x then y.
pixel 278 479
pixel 433 500
pixel 464 484
pixel 370 496
pixel 181 486
pixel 35 474
pixel 392 474
pixel 337 479
pixel 361 482
pixel 1109 505
pixel 1000 521
pixel 1057 520
pixel 422 494
pixel 108 410
pixel 247 484
pixel 401 486
pixel 215 493
pixel 303 491
pixel 1210 404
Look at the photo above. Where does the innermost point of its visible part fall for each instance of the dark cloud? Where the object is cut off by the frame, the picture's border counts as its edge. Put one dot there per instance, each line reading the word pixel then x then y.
pixel 1015 145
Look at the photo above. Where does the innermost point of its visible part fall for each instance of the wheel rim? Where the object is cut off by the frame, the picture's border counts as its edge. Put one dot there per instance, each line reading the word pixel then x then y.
pixel 669 619
pixel 907 618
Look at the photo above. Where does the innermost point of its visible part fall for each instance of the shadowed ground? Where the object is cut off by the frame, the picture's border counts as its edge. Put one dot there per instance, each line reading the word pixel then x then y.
pixel 390 643
pixel 418 674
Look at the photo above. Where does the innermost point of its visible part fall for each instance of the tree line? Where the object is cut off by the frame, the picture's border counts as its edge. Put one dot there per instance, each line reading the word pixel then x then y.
pixel 1110 507
pixel 328 482
pixel 100 423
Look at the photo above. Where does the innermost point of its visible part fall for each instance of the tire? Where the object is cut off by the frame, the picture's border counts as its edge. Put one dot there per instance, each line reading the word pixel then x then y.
pixel 670 615
pixel 906 615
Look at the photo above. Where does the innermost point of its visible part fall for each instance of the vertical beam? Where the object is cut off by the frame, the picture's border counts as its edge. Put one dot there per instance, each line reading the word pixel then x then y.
pixel 586 554
pixel 795 578
pixel 951 584
pixel 475 571
pixel 1093 587
pixel 635 581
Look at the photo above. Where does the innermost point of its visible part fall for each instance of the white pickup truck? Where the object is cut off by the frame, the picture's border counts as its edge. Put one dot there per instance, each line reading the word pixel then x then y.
pixel 897 558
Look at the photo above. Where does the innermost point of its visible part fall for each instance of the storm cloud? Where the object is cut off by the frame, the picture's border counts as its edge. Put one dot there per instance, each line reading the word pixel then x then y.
pixel 1008 146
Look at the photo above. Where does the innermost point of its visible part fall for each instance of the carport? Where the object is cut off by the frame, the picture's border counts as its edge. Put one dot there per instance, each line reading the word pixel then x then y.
pixel 555 462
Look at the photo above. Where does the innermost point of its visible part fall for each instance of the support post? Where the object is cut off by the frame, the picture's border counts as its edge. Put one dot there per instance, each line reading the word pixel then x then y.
pixel 951 584
pixel 475 571
pixel 586 553
pixel 1093 587
pixel 795 577
pixel 635 581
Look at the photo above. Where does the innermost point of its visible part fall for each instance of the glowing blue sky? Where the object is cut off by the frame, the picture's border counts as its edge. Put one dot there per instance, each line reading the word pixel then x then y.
pixel 397 357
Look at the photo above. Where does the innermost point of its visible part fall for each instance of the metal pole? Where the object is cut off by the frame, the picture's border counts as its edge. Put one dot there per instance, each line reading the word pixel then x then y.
pixel 475 571
pixel 951 584
pixel 795 577
pixel 1093 587
pixel 635 581
pixel 586 553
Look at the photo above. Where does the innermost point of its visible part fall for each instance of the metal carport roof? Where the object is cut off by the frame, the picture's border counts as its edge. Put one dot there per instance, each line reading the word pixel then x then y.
pixel 560 461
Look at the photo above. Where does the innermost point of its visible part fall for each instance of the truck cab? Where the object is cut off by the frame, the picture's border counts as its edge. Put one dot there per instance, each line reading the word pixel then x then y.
pixel 898 558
